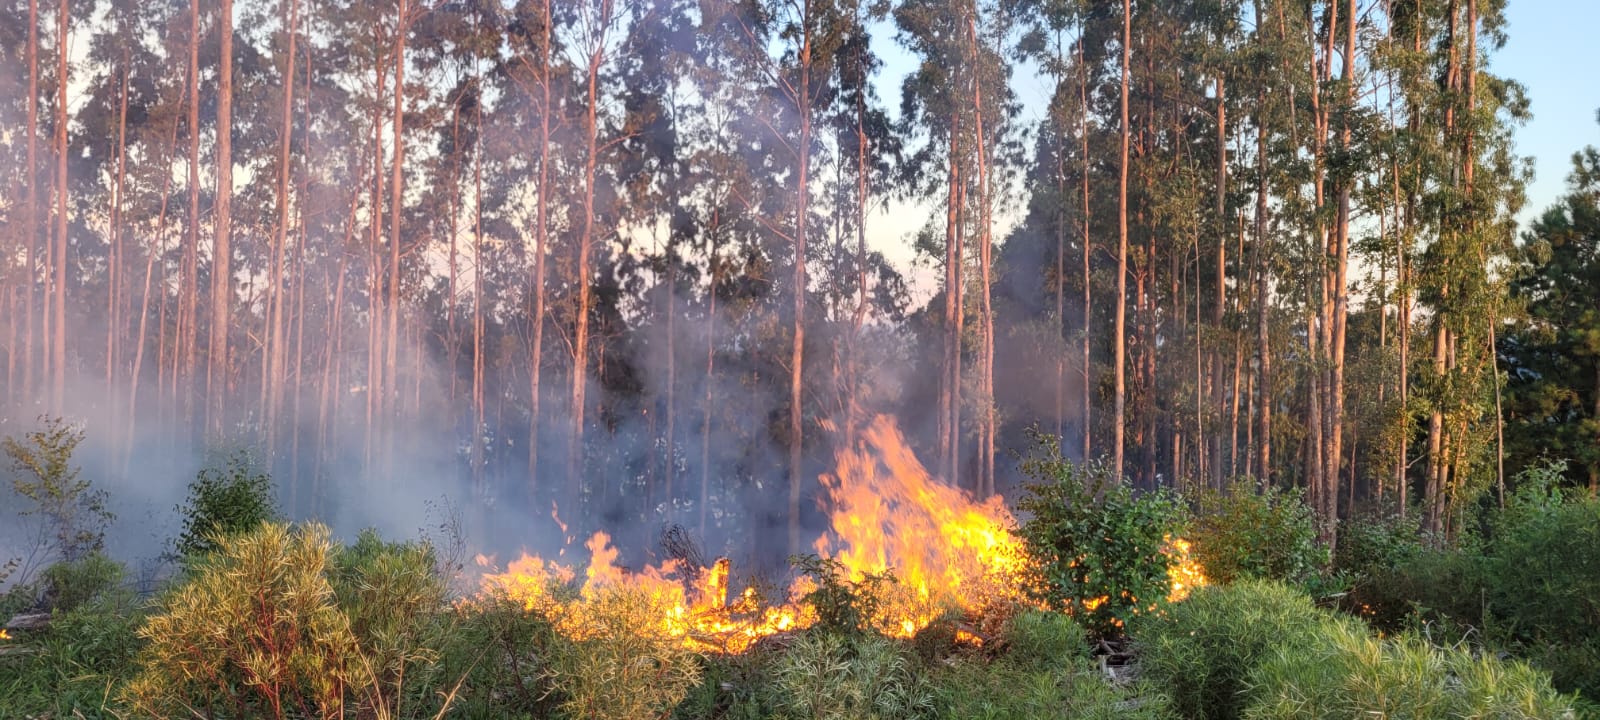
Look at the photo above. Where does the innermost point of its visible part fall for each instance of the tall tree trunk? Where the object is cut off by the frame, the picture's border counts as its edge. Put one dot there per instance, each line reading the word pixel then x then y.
pixel 1218 396
pixel 397 184
pixel 275 320
pixel 184 376
pixel 985 479
pixel 31 230
pixel 58 342
pixel 797 351
pixel 115 294
pixel 580 352
pixel 1263 306
pixel 221 253
pixel 1088 280
pixel 1119 423
pixel 540 231
pixel 949 385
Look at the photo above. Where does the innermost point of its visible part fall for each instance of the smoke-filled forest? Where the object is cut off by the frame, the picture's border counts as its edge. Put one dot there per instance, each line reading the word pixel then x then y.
pixel 960 287
pixel 657 260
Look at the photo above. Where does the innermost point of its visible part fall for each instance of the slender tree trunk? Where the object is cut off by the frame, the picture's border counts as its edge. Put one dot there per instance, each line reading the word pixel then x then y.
pixel 393 390
pixel 115 294
pixel 1263 306
pixel 949 390
pixel 540 233
pixel 1218 397
pixel 985 479
pixel 797 352
pixel 580 364
pixel 184 376
pixel 31 230
pixel 221 255
pixel 1119 423
pixel 1088 278
pixel 58 343
pixel 275 320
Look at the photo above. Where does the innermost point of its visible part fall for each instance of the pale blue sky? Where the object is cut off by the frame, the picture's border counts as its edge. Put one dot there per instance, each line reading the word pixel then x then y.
pixel 1550 50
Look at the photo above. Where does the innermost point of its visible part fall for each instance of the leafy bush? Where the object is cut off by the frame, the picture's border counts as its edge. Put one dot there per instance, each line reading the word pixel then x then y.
pixel 233 498
pixel 1541 584
pixel 76 662
pixel 828 676
pixel 392 601
pixel 618 659
pixel 1097 545
pixel 71 584
pixel 1244 532
pixel 72 514
pixel 502 651
pixel 974 690
pixel 842 604
pixel 277 622
pixel 1202 650
pixel 1044 641
pixel 1350 673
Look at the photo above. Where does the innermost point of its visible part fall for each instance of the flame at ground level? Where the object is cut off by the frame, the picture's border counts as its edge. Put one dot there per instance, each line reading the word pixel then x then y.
pixel 887 515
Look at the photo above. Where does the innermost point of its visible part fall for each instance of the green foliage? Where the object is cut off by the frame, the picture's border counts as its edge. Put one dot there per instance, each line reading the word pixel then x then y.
pixel 1541 584
pixel 73 513
pixel 1202 650
pixel 277 621
pixel 617 661
pixel 843 605
pixel 1044 641
pixel 1245 532
pixel 502 651
pixel 1372 542
pixel 1350 673
pixel 828 676
pixel 1096 544
pixel 71 584
pixel 224 500
pixel 392 601
pixel 975 690
pixel 72 666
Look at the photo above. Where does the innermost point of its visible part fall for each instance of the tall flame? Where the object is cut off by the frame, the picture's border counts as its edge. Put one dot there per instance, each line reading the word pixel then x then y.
pixel 887 514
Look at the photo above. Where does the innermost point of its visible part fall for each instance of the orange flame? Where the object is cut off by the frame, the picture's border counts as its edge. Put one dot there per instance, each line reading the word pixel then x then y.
pixel 947 551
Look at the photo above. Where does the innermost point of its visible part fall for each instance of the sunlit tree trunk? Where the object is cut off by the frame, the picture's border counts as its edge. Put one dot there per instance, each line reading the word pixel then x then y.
pixel 58 342
pixel 221 252
pixel 1119 335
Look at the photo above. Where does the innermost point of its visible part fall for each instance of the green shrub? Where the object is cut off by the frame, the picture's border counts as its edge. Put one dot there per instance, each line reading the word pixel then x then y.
pixel 72 514
pixel 842 604
pixel 1351 673
pixel 975 690
pixel 224 500
pixel 1044 641
pixel 1202 650
pixel 71 584
pixel 1097 546
pixel 1541 583
pixel 277 622
pixel 617 659
pixel 393 601
pixel 829 676
pixel 503 652
pixel 73 667
pixel 1248 533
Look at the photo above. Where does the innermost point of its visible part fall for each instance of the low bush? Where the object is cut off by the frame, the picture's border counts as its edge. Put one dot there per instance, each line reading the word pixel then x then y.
pixel 71 584
pixel 277 622
pixel 617 659
pixel 978 690
pixel 1541 581
pixel 1096 544
pixel 1044 641
pixel 829 676
pixel 229 497
pixel 502 651
pixel 1201 651
pixel 1351 673
pixel 1244 532
pixel 72 667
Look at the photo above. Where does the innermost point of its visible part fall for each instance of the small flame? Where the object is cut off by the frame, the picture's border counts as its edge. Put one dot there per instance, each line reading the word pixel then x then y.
pixel 4 634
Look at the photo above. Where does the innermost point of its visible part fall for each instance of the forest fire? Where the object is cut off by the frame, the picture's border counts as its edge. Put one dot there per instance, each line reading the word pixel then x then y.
pixel 888 517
